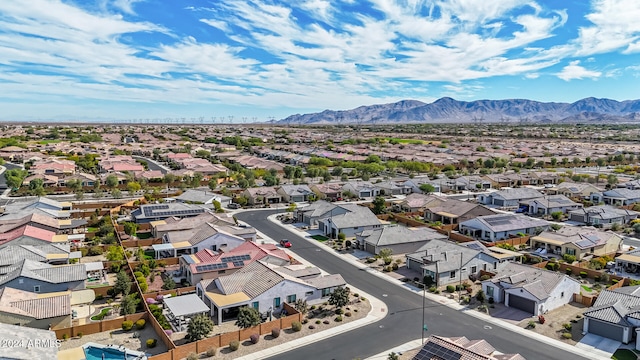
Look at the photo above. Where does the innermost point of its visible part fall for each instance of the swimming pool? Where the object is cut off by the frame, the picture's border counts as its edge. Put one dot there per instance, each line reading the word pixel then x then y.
pixel 94 351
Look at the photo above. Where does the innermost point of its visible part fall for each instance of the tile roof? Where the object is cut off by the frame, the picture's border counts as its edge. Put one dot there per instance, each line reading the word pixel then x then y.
pixel 538 282
pixel 460 348
pixel 506 222
pixel 12 254
pixel 33 305
pixel 355 217
pixel 582 237
pixel 605 212
pixel 442 255
pixel 614 307
pixel 253 280
pixel 517 194
pixel 27 231
pixel 44 272
pixel 391 235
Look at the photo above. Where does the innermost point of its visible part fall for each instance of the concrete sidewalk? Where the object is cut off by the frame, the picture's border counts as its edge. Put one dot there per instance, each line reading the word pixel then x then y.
pixel 378 311
pixel 594 354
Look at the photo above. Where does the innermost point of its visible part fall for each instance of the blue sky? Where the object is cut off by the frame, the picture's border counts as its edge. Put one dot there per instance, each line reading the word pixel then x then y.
pixel 158 59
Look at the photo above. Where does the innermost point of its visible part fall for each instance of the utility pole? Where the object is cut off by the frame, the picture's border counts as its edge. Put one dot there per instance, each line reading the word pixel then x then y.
pixel 460 286
pixel 424 287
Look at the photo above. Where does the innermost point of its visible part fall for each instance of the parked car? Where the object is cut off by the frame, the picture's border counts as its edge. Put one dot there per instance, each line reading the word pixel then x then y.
pixel 285 243
pixel 234 206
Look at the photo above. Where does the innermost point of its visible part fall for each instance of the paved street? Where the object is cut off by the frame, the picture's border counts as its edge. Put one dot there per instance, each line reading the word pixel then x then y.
pixel 403 323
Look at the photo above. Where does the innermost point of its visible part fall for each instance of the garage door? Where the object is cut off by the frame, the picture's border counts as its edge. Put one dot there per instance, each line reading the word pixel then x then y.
pixel 607 330
pixel 521 303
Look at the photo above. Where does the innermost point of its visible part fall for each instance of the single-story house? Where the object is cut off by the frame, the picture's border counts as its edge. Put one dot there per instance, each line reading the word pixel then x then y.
pixel 454 211
pixel 154 212
pixel 399 239
pixel 502 226
pixel 621 197
pixel 447 262
pixel 195 196
pixel 264 287
pixel 615 314
pixel 295 193
pixel 415 183
pixel 603 216
pixel 574 190
pixel 161 227
pixel 509 197
pixel 361 189
pixel 417 202
pixel 629 262
pixel 577 241
pixel 549 204
pixel 328 191
pixel 205 236
pixel 12 334
pixel 355 220
pixel 30 309
pixel 34 276
pixel 435 347
pixel 262 195
pixel 530 289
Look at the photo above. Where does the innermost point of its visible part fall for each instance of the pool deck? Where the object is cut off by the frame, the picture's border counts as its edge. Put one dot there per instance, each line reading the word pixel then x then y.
pixel 71 354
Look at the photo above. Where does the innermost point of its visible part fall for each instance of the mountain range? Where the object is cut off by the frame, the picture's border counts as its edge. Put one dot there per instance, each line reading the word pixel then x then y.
pixel 448 110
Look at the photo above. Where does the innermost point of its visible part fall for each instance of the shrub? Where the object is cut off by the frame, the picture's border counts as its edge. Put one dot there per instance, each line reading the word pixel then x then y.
pixel 485 277
pixel 127 325
pixel 304 321
pixel 541 319
pixel 254 338
pixel 211 351
pixel 151 343
pixel 318 322
pixel 568 271
pixel 394 266
pixel 339 311
pixel 567 326
pixel 371 260
pixel 140 324
pixel 433 289
pixel 347 314
pixel 95 250
pixel 313 307
pixel 296 326
pixel 338 318
pixel 531 324
pixel 569 258
pixel 99 297
pixel 614 281
pixel 193 356
pixel 275 333
pixel 65 337
pixel 450 288
pixel 566 335
pixel 234 345
pixel 138 274
pixel 480 296
pixel 583 274
pixel 80 335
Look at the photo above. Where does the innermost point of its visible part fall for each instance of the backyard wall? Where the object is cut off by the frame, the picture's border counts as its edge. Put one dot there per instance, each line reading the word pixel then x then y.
pixel 100 326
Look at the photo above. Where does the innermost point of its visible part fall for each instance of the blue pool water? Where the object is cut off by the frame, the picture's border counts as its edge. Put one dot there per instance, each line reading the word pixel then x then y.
pixel 95 353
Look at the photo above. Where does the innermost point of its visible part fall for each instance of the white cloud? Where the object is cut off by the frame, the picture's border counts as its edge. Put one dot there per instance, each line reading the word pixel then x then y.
pixel 532 75
pixel 218 24
pixel 615 27
pixel 575 71
pixel 126 5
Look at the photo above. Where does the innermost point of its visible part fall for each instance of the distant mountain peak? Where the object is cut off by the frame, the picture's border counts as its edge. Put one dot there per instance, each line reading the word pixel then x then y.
pixel 449 110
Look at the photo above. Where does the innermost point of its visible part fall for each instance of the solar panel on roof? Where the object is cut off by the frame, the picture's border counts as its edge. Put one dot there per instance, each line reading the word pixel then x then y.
pixel 238 263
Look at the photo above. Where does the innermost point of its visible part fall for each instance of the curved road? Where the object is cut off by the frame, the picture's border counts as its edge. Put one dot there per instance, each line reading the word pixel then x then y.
pixel 402 324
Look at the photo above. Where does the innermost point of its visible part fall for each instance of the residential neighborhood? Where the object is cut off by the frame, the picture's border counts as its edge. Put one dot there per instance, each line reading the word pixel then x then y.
pixel 127 246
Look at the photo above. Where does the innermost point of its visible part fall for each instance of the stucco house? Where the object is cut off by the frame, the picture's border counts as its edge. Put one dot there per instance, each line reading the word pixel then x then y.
pixel 603 216
pixel 615 314
pixel 577 241
pixel 417 202
pixel 574 190
pixel 508 198
pixel 454 211
pixel 530 289
pixel 502 226
pixel 34 276
pixel 399 239
pixel 354 220
pixel 295 193
pixel 621 197
pixel 447 262
pixel 204 236
pixel 262 195
pixel 29 309
pixel 549 204
pixel 264 287
pixel 361 189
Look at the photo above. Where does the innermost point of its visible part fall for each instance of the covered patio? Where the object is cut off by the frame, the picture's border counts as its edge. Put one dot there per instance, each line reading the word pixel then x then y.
pixel 180 310
pixel 226 307
pixel 628 263
pixel 171 249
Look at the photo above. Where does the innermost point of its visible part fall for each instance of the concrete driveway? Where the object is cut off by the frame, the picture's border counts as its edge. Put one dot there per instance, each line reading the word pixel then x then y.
pixel 509 314
pixel 598 344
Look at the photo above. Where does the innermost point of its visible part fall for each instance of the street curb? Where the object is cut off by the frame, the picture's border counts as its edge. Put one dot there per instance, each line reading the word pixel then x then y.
pixel 378 307
pixel 597 354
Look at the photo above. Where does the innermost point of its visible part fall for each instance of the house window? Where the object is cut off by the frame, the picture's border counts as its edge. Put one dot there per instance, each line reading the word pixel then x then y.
pixel 199 292
pixel 562 294
pixel 495 265
pixel 571 251
pixel 326 292
pixel 489 290
pixel 36 288
pixel 222 271
pixel 214 247
pixel 452 274
pixel 474 269
pixel 276 302
pixel 308 293
pixel 255 305
pixel 291 298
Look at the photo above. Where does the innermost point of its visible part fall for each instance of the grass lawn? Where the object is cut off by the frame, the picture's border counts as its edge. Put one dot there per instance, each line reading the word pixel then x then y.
pixel 319 237
pixel 586 288
pixel 92 229
pixel 51 141
pixel 102 314
pixel 144 235
pixel 407 141
pixel 624 354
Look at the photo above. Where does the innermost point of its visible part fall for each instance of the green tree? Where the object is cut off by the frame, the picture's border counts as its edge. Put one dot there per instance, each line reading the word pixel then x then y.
pixel 248 317
pixel 122 284
pixel 15 177
pixel 379 205
pixel 213 183
pixel 116 193
pixel 133 187
pixel 130 228
pixel 115 253
pixel 427 188
pixel 340 297
pixel 337 171
pixel 199 327
pixel 111 181
pixel 302 307
pixel 385 254
pixel 129 304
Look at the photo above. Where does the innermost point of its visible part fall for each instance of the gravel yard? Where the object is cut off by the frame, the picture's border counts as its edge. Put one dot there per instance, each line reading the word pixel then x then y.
pixel 118 337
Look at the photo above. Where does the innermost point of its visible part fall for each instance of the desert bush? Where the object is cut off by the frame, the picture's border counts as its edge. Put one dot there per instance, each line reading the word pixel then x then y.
pixel 531 324
pixel 65 337
pixel 318 322
pixel 583 274
pixel 254 338
pixel 151 343
pixel 567 326
pixel 80 335
pixel 338 318
pixel 451 288
pixel 569 258
pixel 193 356
pixel 140 324
pixel 127 325
pixel 275 333
pixel 566 335
pixel 296 326
pixel 339 311
pixel 234 345
pixel 568 271
pixel 433 289
pixel 211 351
pixel 394 266
pixel 485 277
